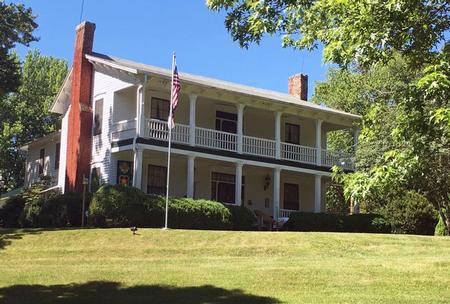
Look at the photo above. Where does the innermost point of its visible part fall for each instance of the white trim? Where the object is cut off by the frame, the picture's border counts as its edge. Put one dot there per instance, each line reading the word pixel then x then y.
pixel 222 158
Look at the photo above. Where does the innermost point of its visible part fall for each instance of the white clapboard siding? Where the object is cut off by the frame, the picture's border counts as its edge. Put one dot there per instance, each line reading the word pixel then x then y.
pixel 104 88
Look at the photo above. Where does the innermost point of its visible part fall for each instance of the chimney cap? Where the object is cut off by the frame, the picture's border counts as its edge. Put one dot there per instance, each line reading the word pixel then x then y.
pixel 84 24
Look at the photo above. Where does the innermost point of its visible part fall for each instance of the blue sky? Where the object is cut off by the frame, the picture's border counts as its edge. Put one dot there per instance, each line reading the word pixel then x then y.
pixel 148 31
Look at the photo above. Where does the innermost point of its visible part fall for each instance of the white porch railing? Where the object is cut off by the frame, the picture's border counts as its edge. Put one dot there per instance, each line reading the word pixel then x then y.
pixel 123 129
pixel 215 139
pixel 158 129
pixel 298 153
pixel 258 146
pixel 220 140
pixel 342 159
pixel 286 213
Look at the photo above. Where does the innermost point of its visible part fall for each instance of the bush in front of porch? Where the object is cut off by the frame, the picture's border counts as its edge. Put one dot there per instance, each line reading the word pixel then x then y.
pixel 327 222
pixel 124 206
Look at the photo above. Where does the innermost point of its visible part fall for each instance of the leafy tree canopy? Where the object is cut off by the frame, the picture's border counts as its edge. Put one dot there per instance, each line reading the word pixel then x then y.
pixel 25 114
pixel 362 30
pixel 16 26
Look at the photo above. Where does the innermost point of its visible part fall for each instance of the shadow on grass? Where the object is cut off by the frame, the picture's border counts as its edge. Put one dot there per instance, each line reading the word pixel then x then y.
pixel 8 235
pixel 100 292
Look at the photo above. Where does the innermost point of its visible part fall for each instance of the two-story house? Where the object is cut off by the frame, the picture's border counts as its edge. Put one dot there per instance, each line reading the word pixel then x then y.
pixel 232 143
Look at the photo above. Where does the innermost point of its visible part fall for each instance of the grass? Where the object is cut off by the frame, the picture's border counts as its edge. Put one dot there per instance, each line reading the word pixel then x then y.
pixel 180 266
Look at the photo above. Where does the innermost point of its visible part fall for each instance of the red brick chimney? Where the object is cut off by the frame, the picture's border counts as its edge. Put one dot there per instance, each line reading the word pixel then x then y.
pixel 79 133
pixel 298 86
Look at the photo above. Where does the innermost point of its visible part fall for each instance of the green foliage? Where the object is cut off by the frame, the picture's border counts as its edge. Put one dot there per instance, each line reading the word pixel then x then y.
pixel 242 218
pixel 185 213
pixel 123 206
pixel 335 200
pixel 440 229
pixel 25 115
pixel 411 213
pixel 368 223
pixel 10 211
pixel 16 26
pixel 366 31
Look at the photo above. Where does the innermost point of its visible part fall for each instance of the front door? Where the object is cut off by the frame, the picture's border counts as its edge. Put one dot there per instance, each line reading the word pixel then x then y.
pixel 291 197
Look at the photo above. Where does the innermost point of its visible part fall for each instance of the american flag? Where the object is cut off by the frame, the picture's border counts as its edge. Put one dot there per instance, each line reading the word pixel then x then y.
pixel 175 93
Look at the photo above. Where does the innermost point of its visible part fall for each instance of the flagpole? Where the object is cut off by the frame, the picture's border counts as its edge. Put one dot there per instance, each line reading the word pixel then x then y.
pixel 170 126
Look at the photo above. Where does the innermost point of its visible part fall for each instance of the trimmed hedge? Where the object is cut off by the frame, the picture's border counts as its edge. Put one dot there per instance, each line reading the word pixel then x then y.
pixel 326 222
pixel 10 211
pixel 124 206
pixel 52 210
pixel 242 218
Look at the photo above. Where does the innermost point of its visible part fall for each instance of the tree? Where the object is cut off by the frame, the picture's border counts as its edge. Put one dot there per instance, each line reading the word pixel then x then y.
pixel 25 115
pixel 364 33
pixel 16 26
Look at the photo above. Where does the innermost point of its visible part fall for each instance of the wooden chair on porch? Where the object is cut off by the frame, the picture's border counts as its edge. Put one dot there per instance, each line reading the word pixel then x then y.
pixel 264 221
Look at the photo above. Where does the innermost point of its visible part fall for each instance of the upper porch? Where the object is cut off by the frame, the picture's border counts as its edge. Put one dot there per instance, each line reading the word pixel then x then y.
pixel 216 124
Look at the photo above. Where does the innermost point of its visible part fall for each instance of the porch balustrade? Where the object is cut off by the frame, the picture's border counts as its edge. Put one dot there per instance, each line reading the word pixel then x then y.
pixel 219 140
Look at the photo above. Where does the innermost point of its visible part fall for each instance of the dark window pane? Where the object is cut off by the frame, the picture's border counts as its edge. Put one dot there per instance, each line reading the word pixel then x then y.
pixel 291 197
pixel 160 109
pixel 41 161
pixel 95 179
pixel 156 180
pixel 292 133
pixel 98 117
pixel 57 154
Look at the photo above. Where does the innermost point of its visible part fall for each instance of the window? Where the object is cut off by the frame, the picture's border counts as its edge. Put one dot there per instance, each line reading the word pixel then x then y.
pixel 156 180
pixel 95 179
pixel 98 117
pixel 124 172
pixel 160 109
pixel 291 197
pixel 57 154
pixel 226 122
pixel 41 161
pixel 223 187
pixel 292 133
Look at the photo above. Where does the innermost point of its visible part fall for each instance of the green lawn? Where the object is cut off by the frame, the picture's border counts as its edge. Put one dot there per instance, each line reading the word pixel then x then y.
pixel 180 266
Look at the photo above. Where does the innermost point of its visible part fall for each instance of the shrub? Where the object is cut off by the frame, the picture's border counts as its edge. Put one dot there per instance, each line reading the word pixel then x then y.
pixel 411 213
pixel 440 229
pixel 124 206
pixel 118 206
pixel 306 221
pixel 326 222
pixel 10 211
pixel 242 218
pixel 50 209
pixel 365 223
pixel 185 213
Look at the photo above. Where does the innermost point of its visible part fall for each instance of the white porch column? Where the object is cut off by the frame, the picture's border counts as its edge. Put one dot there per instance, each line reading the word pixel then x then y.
pixel 240 127
pixel 192 109
pixel 278 135
pixel 317 193
pixel 190 176
pixel 140 112
pixel 276 192
pixel 238 184
pixel 319 142
pixel 137 168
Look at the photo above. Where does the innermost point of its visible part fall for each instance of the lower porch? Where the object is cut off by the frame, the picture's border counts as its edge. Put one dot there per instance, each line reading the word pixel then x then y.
pixel 269 191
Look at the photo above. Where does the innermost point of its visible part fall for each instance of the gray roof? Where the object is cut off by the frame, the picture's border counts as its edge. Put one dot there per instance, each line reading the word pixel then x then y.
pixel 140 68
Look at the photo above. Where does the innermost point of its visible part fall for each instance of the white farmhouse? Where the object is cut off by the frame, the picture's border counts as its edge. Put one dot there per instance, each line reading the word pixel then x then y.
pixel 232 143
